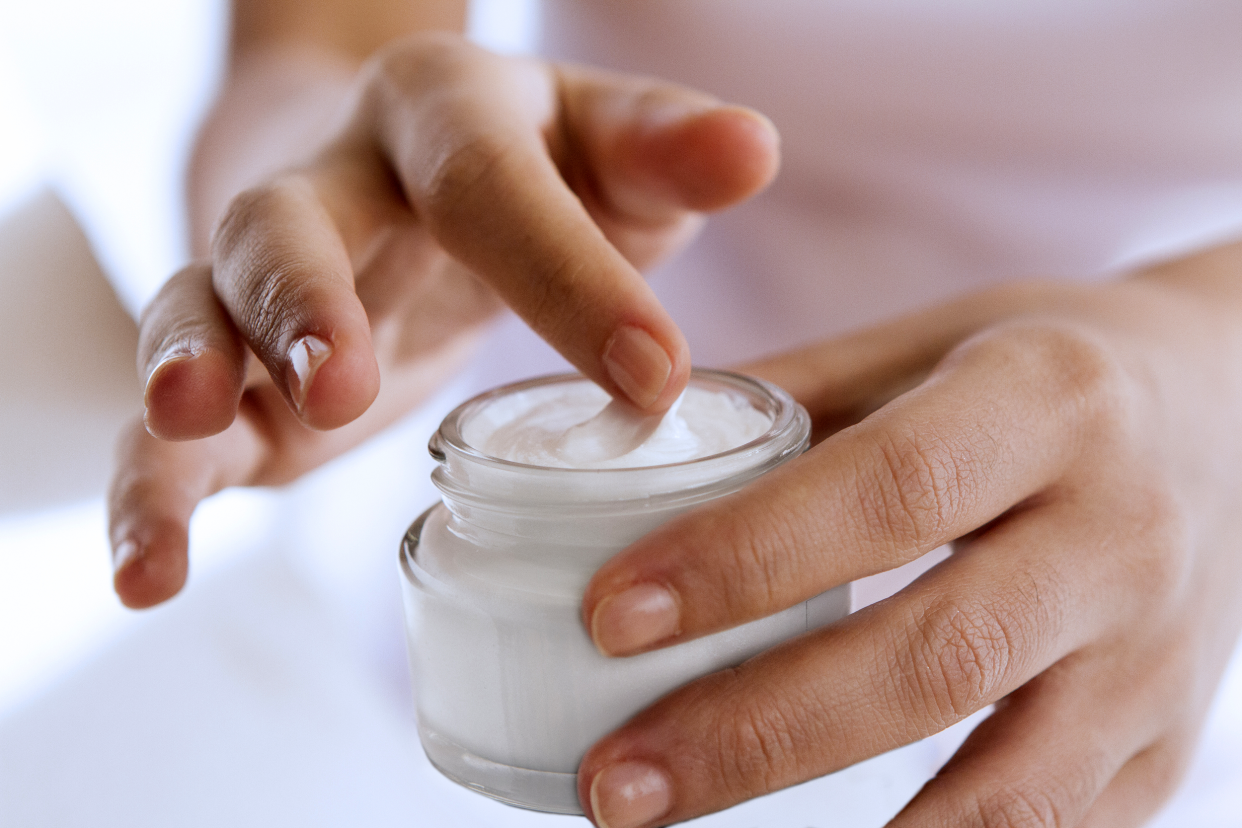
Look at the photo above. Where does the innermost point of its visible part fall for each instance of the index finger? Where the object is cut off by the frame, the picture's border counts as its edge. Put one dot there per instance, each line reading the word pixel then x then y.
pixel 997 423
pixel 466 134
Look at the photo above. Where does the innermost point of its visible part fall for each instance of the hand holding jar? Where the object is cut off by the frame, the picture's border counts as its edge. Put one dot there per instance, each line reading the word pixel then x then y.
pixel 1079 446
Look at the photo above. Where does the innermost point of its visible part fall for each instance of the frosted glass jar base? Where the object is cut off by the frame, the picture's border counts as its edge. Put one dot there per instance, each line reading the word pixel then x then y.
pixel 554 793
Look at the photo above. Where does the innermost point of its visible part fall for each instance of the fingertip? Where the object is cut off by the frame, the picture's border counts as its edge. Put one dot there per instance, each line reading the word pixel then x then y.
pixel 331 381
pixel 679 376
pixel 149 573
pixel 648 369
pixel 190 395
pixel 635 619
pixel 624 779
pixel 629 795
pixel 284 274
pixel 717 157
pixel 637 365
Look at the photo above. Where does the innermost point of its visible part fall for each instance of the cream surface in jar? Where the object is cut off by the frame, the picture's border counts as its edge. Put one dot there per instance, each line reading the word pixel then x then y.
pixel 543 481
pixel 576 426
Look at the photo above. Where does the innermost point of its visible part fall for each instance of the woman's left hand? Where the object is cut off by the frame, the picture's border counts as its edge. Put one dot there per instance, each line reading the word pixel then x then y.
pixel 1081 447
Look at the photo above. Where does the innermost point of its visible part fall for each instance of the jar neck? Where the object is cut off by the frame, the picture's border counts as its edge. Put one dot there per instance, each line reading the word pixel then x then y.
pixel 495 499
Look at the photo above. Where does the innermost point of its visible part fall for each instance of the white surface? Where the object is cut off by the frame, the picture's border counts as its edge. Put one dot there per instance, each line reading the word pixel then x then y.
pixel 22 141
pixel 57 608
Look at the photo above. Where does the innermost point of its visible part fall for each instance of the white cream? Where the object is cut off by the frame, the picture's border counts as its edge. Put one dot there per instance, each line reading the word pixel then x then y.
pixel 510 691
pixel 574 426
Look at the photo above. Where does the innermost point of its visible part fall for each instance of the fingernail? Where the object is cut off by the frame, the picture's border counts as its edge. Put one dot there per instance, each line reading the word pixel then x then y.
pixel 637 364
pixel 305 357
pixel 167 361
pixel 125 553
pixel 634 619
pixel 629 795
pixel 657 115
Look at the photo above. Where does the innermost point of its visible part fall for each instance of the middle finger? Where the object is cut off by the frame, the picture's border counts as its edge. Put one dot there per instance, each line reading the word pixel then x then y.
pixel 966 634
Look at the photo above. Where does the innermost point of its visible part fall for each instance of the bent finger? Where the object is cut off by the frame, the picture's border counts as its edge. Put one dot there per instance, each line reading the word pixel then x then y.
pixel 841 381
pixel 1054 751
pixel 1141 787
pixel 648 159
pixel 153 493
pixel 191 359
pixel 284 275
pixel 467 134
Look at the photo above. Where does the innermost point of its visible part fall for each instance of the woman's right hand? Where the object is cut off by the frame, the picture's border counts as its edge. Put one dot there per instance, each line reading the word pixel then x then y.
pixel 463 181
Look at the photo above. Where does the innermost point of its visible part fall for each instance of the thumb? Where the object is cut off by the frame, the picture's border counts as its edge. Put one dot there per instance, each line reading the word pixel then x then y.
pixel 843 380
pixel 654 151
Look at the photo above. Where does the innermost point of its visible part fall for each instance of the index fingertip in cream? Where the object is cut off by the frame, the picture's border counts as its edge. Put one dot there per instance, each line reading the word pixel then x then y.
pixel 637 364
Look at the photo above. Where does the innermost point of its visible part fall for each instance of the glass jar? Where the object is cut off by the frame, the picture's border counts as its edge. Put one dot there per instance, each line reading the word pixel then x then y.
pixel 509 689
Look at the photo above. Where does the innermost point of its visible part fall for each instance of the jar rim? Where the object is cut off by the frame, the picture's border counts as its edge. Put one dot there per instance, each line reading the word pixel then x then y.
pixel 448 439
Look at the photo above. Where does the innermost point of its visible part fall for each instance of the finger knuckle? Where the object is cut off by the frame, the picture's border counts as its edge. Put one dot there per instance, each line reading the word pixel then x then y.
pixel 422 60
pixel 463 180
pixel 1025 807
pixel 260 278
pixel 1160 554
pixel 914 493
pixel 1165 765
pixel 166 323
pixel 763 561
pixel 270 307
pixel 249 209
pixel 1078 375
pixel 956 661
pixel 760 745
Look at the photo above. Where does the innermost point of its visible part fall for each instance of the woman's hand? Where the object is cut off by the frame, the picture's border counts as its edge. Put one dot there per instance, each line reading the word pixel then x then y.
pixel 462 182
pixel 1081 446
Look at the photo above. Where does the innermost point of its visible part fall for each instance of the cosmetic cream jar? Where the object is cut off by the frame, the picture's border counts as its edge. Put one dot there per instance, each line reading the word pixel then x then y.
pixel 509 689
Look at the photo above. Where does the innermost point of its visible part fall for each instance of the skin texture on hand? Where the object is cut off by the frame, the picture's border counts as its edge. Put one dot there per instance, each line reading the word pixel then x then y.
pixel 461 182
pixel 1080 445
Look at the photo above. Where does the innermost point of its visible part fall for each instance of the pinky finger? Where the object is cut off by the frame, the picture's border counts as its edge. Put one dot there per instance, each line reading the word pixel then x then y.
pixel 1038 761
pixel 1140 788
pixel 153 493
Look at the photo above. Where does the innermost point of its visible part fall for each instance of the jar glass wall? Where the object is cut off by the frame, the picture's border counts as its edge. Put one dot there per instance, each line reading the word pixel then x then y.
pixel 509 689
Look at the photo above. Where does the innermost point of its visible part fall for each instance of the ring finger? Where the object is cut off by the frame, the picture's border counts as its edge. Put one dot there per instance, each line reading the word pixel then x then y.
pixel 963 636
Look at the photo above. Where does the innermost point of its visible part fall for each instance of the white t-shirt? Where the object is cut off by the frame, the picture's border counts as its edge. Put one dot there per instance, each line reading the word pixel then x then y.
pixel 931 148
